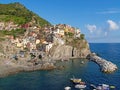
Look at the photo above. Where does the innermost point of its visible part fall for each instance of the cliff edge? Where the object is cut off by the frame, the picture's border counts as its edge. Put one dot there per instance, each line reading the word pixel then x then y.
pixel 79 49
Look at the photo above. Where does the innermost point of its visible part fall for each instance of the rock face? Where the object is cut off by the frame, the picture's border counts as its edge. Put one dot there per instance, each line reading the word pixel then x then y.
pixel 81 49
pixel 61 52
pixel 65 52
pixel 9 65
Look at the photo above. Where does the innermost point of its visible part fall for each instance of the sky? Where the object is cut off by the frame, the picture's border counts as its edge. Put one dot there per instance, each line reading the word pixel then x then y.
pixel 99 20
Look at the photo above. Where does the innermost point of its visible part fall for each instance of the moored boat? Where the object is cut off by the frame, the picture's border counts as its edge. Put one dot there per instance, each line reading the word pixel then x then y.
pixel 79 86
pixel 82 83
pixel 75 80
pixel 93 86
pixel 112 87
pixel 103 87
pixel 67 88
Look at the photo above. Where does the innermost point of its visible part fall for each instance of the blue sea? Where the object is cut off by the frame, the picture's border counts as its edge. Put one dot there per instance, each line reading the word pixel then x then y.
pixel 58 79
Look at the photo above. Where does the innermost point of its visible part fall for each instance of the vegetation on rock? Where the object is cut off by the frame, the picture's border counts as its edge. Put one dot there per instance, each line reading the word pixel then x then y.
pixel 14 33
pixel 19 14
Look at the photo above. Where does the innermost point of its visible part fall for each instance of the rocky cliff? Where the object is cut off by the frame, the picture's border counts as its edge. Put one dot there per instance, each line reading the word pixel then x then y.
pixel 80 49
pixel 28 42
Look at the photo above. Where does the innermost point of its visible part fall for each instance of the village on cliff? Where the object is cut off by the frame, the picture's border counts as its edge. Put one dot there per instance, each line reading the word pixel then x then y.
pixel 37 38
pixel 32 48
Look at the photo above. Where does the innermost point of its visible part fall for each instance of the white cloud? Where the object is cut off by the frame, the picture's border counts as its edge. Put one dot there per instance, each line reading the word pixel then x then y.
pixel 109 12
pixel 112 25
pixel 91 28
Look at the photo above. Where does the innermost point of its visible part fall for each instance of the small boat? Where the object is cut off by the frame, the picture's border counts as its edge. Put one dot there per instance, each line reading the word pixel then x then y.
pixel 80 86
pixel 105 86
pixel 82 62
pixel 102 87
pixel 99 88
pixel 67 88
pixel 93 86
pixel 82 83
pixel 112 87
pixel 75 80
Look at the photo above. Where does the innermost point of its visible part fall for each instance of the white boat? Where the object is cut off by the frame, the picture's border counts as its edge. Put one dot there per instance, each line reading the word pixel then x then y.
pixel 105 86
pixel 80 86
pixel 99 88
pixel 67 88
pixel 82 62
pixel 102 87
pixel 92 85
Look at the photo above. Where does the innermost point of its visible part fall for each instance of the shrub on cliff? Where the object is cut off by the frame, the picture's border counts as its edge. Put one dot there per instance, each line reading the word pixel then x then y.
pixel 82 36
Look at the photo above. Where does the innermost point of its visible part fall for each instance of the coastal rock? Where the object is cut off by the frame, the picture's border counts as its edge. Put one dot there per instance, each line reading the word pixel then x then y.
pixel 61 52
pixel 65 52
pixel 106 66
pixel 12 69
pixel 8 70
